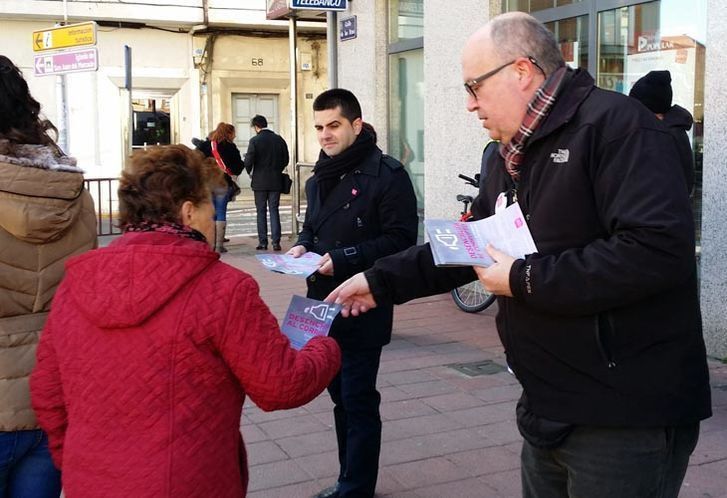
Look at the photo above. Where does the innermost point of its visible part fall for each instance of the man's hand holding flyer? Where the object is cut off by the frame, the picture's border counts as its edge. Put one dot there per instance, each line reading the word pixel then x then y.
pixel 456 243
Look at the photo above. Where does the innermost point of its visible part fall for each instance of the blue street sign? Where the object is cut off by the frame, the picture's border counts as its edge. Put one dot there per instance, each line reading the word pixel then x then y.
pixel 319 4
pixel 348 28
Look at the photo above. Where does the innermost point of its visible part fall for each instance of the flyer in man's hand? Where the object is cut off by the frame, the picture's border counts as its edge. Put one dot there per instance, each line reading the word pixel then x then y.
pixel 303 266
pixel 307 318
pixel 457 243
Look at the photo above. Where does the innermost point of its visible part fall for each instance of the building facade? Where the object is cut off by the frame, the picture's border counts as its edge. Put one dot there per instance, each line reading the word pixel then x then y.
pixel 414 97
pixel 195 63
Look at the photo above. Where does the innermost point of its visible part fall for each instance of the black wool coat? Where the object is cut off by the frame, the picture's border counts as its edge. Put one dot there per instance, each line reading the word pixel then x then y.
pixel 266 158
pixel 371 213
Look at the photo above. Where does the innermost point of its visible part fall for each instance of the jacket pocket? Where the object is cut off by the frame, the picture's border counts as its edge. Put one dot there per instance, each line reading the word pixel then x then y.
pixel 604 338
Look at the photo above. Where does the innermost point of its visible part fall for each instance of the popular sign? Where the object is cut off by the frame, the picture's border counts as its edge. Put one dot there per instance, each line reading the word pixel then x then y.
pixel 73 35
pixel 74 61
pixel 319 4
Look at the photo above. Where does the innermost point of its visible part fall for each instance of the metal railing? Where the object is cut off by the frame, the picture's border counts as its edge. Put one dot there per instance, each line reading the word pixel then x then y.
pixel 299 198
pixel 106 202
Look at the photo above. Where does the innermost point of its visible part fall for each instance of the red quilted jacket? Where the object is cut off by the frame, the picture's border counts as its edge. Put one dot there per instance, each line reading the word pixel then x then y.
pixel 149 350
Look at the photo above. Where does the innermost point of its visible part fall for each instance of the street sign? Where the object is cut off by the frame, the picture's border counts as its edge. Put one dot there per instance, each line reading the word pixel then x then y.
pixel 72 61
pixel 348 28
pixel 319 4
pixel 73 35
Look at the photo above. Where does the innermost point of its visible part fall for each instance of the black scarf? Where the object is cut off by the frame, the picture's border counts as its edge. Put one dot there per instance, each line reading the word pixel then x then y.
pixel 328 171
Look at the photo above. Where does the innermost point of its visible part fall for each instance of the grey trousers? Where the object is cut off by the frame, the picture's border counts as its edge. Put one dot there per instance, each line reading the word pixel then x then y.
pixel 598 462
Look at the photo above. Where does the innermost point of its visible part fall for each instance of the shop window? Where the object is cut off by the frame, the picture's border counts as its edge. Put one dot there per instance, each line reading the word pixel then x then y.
pixel 666 34
pixel 406 20
pixel 533 5
pixel 572 37
pixel 152 124
pixel 406 116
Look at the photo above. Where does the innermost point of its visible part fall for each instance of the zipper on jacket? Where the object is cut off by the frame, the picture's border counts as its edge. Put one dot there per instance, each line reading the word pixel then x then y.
pixel 605 351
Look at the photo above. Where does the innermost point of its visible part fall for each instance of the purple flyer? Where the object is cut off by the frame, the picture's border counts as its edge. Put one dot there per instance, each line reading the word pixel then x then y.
pixel 307 318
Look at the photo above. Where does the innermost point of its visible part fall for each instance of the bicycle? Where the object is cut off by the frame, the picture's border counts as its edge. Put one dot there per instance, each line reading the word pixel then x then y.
pixel 471 297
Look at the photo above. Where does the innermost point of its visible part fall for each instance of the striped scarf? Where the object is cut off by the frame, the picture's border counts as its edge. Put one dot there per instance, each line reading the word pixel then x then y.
pixel 538 110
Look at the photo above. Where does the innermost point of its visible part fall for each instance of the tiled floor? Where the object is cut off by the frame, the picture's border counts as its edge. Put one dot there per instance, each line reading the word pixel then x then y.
pixel 444 434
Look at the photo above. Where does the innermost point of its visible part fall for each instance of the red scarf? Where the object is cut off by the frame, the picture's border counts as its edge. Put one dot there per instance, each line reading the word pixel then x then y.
pixel 538 110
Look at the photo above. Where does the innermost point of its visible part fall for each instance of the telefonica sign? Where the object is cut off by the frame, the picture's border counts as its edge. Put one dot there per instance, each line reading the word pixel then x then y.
pixel 319 4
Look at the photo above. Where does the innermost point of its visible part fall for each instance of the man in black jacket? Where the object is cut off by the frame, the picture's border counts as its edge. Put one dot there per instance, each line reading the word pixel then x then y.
pixel 265 160
pixel 654 91
pixel 602 325
pixel 361 206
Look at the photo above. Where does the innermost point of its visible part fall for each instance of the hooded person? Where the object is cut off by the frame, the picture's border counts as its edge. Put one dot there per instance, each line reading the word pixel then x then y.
pixel 655 92
pixel 153 344
pixel 46 216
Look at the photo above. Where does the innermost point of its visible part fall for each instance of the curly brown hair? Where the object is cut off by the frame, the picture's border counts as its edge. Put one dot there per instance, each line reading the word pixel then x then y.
pixel 159 180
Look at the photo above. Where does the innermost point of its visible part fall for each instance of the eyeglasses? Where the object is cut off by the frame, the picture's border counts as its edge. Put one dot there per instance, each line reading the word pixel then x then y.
pixel 472 85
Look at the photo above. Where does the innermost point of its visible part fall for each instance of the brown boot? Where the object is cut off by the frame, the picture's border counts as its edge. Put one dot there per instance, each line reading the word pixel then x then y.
pixel 220 236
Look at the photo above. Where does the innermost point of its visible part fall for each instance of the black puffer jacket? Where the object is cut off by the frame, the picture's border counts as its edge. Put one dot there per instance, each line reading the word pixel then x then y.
pixel 679 121
pixel 604 327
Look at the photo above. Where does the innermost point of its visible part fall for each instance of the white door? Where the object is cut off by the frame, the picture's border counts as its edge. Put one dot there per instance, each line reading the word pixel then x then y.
pixel 244 107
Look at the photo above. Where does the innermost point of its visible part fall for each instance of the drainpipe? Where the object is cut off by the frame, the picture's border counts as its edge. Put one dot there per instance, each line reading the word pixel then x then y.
pixel 332 42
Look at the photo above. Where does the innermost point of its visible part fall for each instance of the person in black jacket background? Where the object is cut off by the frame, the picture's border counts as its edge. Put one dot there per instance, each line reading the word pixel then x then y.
pixel 654 91
pixel 602 325
pixel 361 206
pixel 228 159
pixel 265 160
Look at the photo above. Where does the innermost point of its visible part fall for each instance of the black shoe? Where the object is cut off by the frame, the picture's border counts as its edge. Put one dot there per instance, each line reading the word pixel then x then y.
pixel 225 239
pixel 276 246
pixel 262 247
pixel 331 492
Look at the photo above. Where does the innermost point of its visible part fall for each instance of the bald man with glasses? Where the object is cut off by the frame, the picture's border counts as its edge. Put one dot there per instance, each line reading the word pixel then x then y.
pixel 602 325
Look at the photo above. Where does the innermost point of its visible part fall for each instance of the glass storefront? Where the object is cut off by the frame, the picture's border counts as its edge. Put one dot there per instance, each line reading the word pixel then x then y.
pixel 572 36
pixel 406 91
pixel 406 20
pixel 533 5
pixel 631 40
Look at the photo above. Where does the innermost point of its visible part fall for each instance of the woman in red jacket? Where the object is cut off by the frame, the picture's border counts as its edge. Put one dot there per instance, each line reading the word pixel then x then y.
pixel 152 345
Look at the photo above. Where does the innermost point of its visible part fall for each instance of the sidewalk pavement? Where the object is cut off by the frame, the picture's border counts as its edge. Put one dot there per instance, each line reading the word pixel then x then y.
pixel 445 434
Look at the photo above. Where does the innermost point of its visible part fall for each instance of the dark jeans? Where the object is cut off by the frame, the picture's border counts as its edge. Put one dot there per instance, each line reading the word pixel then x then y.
pixel 265 199
pixel 358 423
pixel 597 462
pixel 26 469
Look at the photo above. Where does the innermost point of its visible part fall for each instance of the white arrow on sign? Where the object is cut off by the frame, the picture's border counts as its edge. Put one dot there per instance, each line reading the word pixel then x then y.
pixel 39 65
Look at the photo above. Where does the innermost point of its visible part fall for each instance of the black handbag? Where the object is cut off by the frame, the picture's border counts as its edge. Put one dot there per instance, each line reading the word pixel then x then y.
pixel 286 183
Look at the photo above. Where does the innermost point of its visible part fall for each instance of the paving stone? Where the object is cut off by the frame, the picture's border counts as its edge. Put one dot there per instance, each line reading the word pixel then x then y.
pixel 276 474
pixel 484 461
pixel 264 452
pixel 417 426
pixel 322 466
pixel 426 472
pixel 450 402
pixel 308 444
pixel 466 488
pixel 405 409
pixel 293 426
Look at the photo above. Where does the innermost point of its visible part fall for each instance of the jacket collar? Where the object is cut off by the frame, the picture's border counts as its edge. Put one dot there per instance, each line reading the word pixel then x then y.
pixel 575 90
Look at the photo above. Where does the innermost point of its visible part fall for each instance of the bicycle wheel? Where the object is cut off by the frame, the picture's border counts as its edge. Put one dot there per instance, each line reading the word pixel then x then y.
pixel 472 297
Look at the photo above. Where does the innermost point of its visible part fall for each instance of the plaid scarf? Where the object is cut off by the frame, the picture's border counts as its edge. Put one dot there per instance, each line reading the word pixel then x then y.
pixel 538 110
pixel 166 227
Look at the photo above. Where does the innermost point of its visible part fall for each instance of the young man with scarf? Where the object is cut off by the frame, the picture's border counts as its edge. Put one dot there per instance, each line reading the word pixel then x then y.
pixel 361 206
pixel 602 325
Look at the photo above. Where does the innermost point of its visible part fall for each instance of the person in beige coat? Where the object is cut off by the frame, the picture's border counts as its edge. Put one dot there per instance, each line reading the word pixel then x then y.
pixel 46 216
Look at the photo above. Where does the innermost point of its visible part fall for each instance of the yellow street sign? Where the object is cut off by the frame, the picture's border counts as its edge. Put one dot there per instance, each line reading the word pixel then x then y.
pixel 73 35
